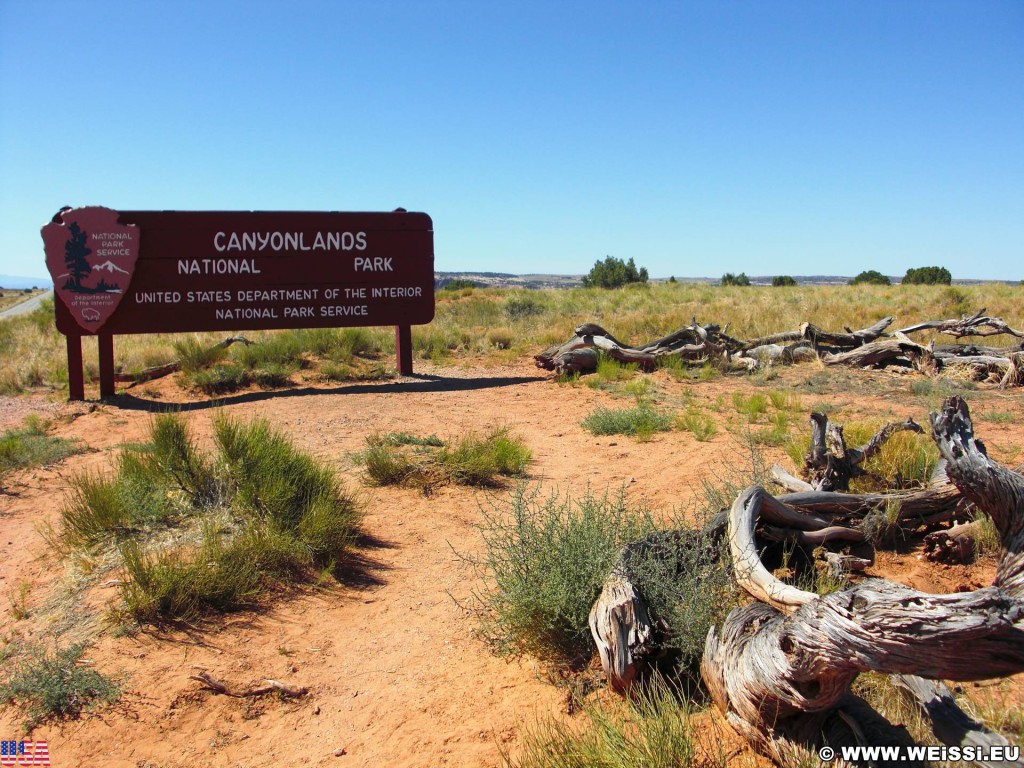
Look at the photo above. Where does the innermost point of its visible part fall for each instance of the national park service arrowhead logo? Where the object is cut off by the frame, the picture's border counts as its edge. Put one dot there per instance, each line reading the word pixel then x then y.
pixel 91 259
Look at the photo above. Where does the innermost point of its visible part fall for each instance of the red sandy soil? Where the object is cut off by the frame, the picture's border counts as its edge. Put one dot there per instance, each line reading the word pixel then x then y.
pixel 397 676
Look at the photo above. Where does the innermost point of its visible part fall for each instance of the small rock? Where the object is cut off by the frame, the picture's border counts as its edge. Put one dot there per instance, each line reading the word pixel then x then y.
pixel 339 752
pixel 316 710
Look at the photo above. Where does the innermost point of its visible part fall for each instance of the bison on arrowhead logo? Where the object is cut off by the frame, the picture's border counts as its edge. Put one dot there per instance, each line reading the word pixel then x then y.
pixel 91 259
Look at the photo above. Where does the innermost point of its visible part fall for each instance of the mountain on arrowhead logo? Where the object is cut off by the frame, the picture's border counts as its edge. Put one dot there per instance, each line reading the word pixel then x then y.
pixel 91 258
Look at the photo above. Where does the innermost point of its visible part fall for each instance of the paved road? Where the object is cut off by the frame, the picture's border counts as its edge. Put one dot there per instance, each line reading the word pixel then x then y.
pixel 25 306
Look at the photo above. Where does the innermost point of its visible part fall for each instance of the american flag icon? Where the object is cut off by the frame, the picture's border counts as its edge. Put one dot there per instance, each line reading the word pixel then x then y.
pixel 24 753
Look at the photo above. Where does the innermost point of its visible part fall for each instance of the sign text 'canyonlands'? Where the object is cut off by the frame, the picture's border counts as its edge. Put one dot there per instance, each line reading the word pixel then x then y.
pixel 176 271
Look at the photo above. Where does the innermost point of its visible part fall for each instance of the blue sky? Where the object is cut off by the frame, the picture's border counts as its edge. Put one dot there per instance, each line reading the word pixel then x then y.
pixel 792 137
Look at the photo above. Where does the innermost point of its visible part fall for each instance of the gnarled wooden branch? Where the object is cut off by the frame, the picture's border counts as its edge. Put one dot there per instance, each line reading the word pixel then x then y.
pixel 159 371
pixel 271 686
pixel 977 324
pixel 781 669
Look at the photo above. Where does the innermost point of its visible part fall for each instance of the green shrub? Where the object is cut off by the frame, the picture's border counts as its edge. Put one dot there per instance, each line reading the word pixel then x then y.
pixel 730 279
pixel 457 284
pixel 280 350
pixel 614 273
pixel 927 276
pixel 273 375
pixel 385 465
pixel 780 281
pixel 544 562
pixel 641 421
pixel 522 305
pixel 870 277
pixel 473 460
pixel 53 687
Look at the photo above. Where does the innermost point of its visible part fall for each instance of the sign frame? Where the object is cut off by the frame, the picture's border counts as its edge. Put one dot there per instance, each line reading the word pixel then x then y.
pixel 182 271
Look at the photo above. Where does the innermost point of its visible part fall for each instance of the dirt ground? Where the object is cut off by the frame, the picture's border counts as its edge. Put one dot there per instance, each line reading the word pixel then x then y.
pixel 396 675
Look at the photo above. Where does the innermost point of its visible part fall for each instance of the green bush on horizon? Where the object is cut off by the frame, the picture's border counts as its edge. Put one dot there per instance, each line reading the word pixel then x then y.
pixel 870 277
pixel 614 273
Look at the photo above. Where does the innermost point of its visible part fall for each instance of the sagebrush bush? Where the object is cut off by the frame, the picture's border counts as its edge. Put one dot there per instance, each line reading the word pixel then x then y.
pixel 52 686
pixel 544 562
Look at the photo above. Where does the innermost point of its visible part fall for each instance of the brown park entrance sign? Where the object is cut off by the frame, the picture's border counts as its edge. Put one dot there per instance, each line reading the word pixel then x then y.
pixel 177 271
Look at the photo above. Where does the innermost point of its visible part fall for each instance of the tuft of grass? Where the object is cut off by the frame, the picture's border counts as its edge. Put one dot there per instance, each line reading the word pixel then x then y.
pixel 700 425
pixel 194 357
pixel 473 460
pixel 404 438
pixel 544 561
pixel 52 686
pixel 752 407
pixel 502 338
pixel 18 600
pixel 477 460
pixel 386 466
pixel 32 446
pixel 641 421
pixel 652 730
pixel 197 532
pixel 278 351
pixel 219 379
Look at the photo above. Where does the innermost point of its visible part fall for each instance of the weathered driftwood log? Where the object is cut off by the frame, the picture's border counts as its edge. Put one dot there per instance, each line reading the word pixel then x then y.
pixel 955 544
pixel 950 724
pixel 1014 376
pixel 830 465
pixel 819 337
pixel 977 324
pixel 898 350
pixel 781 669
pixel 159 371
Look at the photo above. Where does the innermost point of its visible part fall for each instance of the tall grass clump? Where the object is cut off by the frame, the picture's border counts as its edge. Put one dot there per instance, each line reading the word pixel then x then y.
pixel 53 686
pixel 476 460
pixel 652 730
pixel 197 531
pixel 193 356
pixel 544 561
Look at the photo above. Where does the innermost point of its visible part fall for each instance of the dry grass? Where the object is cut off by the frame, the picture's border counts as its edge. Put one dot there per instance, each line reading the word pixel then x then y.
pixel 504 325
pixel 10 297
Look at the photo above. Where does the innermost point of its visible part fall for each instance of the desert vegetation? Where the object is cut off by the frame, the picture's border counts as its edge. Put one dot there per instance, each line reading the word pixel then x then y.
pixel 500 325
pixel 205 516
pixel 194 531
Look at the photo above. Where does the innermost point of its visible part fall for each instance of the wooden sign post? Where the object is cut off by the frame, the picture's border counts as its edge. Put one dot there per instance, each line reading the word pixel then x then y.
pixel 179 271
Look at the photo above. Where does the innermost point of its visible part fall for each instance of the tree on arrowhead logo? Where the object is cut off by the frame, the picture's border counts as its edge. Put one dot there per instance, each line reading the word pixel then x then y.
pixel 91 258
